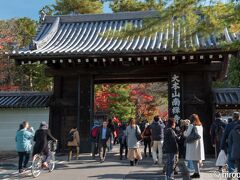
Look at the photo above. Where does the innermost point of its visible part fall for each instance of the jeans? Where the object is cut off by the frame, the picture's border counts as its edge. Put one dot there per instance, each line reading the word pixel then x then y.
pixel 23 157
pixel 231 164
pixel 157 146
pixel 238 166
pixel 111 142
pixel 123 145
pixel 190 165
pixel 170 165
pixel 196 166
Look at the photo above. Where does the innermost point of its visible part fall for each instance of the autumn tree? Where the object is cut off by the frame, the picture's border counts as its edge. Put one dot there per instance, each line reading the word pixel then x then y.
pixel 115 99
pixel 7 39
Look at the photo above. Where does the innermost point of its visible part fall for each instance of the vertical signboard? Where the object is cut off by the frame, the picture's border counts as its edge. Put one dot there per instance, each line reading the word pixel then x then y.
pixel 175 96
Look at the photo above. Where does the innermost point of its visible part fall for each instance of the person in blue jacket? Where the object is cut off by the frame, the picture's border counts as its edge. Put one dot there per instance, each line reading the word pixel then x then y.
pixel 24 138
pixel 225 140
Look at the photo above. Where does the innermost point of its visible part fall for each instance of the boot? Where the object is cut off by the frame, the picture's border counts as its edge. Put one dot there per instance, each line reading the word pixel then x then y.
pixel 195 175
pixel 131 163
pixel 136 162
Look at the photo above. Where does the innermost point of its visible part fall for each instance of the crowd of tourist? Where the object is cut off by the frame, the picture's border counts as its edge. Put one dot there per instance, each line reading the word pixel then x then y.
pixel 163 140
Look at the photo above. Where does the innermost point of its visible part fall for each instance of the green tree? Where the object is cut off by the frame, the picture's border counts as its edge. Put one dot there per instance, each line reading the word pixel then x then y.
pixel 77 6
pixel 121 105
pixel 234 72
pixel 30 77
pixel 193 17
pixel 135 5
pixel 26 29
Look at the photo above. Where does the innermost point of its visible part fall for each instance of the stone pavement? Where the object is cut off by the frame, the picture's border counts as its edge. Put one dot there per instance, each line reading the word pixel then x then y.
pixel 112 168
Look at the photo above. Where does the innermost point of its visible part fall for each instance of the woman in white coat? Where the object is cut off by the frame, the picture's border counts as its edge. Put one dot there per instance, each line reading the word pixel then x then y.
pixel 195 150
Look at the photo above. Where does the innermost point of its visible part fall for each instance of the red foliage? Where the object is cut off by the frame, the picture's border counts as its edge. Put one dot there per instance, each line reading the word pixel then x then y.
pixel 9 88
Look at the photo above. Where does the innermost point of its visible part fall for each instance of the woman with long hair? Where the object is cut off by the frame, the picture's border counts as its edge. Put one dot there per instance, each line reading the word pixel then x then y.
pixel 195 150
pixel 134 152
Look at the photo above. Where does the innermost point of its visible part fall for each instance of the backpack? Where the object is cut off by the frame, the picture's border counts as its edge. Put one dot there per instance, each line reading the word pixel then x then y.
pixel 219 130
pixel 70 136
pixel 94 132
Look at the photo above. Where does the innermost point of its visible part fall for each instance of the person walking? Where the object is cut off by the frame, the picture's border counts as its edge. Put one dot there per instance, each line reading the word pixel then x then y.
pixel 157 136
pixel 195 150
pixel 123 140
pixel 23 139
pixel 110 126
pixel 224 145
pixel 133 141
pixel 73 139
pixel 146 134
pixel 234 144
pixel 41 138
pixel 103 136
pixel 170 148
pixel 94 143
pixel 216 132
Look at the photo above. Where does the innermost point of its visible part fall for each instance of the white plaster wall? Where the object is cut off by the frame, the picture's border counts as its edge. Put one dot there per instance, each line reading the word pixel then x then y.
pixel 10 120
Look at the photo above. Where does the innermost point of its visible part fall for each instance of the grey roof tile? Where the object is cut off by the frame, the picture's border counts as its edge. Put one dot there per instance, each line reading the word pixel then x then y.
pixel 227 96
pixel 24 99
pixel 88 35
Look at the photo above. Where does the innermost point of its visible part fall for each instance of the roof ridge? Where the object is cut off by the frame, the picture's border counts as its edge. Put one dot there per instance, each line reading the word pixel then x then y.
pixel 103 17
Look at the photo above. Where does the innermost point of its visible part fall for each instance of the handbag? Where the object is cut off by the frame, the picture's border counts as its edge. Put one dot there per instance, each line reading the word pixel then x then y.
pixel 138 135
pixel 222 159
pixel 193 136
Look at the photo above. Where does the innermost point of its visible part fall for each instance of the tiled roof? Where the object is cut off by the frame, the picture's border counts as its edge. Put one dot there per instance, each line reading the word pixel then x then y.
pixel 227 96
pixel 86 35
pixel 24 99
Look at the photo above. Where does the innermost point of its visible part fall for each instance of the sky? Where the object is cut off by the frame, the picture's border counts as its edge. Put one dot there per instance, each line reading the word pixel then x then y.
pixel 26 8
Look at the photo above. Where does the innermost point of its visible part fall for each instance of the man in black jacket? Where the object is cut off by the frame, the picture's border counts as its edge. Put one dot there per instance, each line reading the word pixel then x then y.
pixel 170 147
pixel 102 138
pixel 41 138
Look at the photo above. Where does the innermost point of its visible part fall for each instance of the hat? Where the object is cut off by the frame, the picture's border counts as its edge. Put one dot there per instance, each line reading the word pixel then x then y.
pixel 44 125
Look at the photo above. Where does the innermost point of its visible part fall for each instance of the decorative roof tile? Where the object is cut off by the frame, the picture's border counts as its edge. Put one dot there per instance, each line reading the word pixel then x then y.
pixel 84 35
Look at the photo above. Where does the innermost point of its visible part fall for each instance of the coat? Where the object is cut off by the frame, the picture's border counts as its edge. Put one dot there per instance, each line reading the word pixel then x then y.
pixel 170 144
pixel 227 131
pixel 132 141
pixel 41 138
pixel 76 138
pixel 99 136
pixel 195 150
pixel 216 124
pixel 234 143
pixel 24 140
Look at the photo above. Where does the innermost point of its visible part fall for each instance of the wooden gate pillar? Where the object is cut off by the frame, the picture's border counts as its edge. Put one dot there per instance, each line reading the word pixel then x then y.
pixel 197 99
pixel 55 113
pixel 85 110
